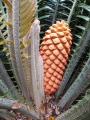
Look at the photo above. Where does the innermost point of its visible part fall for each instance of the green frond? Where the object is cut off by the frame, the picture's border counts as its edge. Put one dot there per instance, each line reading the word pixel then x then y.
pixel 5 33
pixel 78 36
pixel 21 35
pixel 43 17
pixel 24 12
pixel 39 1
pixel 2 26
pixel 81 27
pixel 8 53
pixel 83 41
pixel 77 111
pixel 82 5
pixel 63 14
pixel 71 11
pixel 44 8
pixel 4 49
pixel 83 17
pixel 2 17
pixel 27 110
pixel 4 89
pixel 6 79
pixel 81 82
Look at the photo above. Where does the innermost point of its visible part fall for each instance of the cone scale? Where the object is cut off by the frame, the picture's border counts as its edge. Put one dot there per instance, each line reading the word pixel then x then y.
pixel 54 50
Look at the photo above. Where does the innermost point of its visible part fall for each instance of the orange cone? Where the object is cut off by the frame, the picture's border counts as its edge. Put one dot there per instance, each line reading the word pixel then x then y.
pixel 54 51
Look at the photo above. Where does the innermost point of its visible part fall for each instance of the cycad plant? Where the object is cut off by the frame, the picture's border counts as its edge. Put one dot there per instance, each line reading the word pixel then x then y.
pixel 45 79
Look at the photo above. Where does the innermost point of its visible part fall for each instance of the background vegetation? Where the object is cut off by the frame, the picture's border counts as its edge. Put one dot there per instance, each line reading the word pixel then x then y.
pixel 73 95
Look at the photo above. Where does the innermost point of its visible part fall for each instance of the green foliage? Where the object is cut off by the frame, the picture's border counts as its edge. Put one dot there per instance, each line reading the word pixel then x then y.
pixel 77 50
pixel 76 13
pixel 81 82
pixel 23 52
pixel 45 14
pixel 4 52
pixel 78 111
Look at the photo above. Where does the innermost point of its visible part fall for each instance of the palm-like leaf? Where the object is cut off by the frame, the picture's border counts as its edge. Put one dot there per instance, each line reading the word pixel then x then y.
pixel 4 76
pixel 20 31
pixel 8 104
pixel 77 87
pixel 84 40
pixel 20 37
pixel 23 46
pixel 78 111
